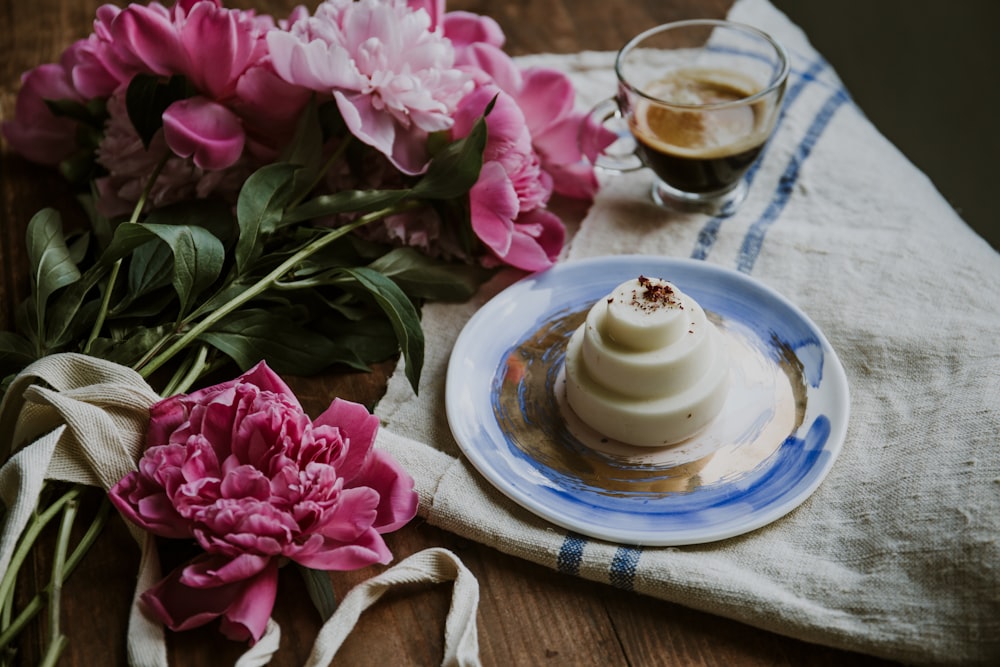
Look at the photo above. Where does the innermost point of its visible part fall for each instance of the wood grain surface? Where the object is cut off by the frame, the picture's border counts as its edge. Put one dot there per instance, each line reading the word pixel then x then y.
pixel 528 615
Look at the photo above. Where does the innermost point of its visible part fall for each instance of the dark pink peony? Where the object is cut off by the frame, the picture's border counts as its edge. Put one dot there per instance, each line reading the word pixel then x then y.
pixel 240 104
pixel 545 97
pixel 35 132
pixel 244 471
pixel 507 203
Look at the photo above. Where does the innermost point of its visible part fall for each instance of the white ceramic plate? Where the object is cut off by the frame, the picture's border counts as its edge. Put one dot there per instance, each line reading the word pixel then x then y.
pixel 782 426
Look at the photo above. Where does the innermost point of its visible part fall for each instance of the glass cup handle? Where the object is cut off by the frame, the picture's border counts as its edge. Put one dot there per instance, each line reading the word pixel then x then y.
pixel 607 141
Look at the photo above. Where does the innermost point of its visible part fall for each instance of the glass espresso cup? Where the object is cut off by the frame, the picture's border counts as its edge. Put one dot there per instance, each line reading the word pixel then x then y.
pixel 699 100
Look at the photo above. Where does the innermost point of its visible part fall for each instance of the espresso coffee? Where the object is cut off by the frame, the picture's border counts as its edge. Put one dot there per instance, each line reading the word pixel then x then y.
pixel 699 150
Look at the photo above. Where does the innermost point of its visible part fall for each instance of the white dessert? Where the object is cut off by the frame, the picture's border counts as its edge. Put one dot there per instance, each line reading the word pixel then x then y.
pixel 647 367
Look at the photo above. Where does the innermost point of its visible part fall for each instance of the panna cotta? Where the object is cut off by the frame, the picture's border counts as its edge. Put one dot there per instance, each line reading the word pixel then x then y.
pixel 647 367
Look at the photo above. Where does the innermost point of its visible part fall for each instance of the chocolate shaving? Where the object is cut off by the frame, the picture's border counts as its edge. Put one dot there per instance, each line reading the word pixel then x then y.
pixel 655 295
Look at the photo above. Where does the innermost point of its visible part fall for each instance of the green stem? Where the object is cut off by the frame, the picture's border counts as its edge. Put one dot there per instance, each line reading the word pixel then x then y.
pixel 102 313
pixel 258 288
pixel 28 540
pixel 188 373
pixel 34 605
pixel 55 650
pixel 57 641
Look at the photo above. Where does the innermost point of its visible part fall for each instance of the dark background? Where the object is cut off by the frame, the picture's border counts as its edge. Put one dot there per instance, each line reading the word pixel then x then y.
pixel 927 74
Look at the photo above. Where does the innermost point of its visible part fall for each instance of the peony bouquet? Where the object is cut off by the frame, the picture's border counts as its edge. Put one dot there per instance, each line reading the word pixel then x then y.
pixel 271 192
pixel 262 187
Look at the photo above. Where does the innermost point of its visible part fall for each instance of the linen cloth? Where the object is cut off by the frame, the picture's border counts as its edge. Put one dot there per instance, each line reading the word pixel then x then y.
pixel 79 419
pixel 897 553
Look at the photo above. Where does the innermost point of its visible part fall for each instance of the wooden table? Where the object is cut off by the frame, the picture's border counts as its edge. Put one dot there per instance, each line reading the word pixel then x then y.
pixel 528 614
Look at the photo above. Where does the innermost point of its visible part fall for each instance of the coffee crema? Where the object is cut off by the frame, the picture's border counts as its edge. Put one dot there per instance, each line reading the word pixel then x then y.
pixel 697 150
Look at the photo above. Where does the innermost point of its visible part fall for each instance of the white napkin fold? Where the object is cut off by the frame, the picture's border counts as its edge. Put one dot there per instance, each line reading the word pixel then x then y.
pixel 897 553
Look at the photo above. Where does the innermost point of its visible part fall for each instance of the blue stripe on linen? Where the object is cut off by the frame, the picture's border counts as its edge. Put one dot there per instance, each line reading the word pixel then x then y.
pixel 754 238
pixel 710 231
pixel 571 554
pixel 623 567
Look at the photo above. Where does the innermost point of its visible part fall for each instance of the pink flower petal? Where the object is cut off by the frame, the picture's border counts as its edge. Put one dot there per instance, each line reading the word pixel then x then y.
pixel 246 619
pixel 545 98
pixel 434 9
pixel 164 418
pixel 88 74
pixel 576 180
pixel 354 514
pixel 465 28
pixel 366 549
pixel 538 237
pixel 493 205
pixel 312 65
pixel 496 64
pixel 208 132
pixel 219 47
pixel 245 482
pixel 246 604
pixel 35 132
pixel 148 34
pixel 270 108
pixel 149 509
pixel 215 570
pixel 358 427
pixel 397 499
pixel 407 152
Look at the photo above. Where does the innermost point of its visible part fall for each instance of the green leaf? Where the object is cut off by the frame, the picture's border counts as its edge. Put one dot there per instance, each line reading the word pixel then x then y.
pixel 251 335
pixel 198 259
pixel 152 305
pixel 359 344
pixel 320 591
pixel 129 349
pixel 213 215
pixel 148 96
pixel 455 168
pixel 99 225
pixel 198 254
pixel 261 204
pixel 16 352
pixel 402 315
pixel 93 113
pixel 150 269
pixel 51 262
pixel 427 278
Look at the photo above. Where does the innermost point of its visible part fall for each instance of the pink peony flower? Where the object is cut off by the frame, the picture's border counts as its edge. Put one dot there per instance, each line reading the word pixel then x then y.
pixel 239 99
pixel 241 469
pixel 36 133
pixel 507 202
pixel 223 54
pixel 544 95
pixel 392 77
pixel 128 164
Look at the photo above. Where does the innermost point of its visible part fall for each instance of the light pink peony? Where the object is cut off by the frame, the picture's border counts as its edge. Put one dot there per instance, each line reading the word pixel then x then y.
pixel 241 469
pixel 392 77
